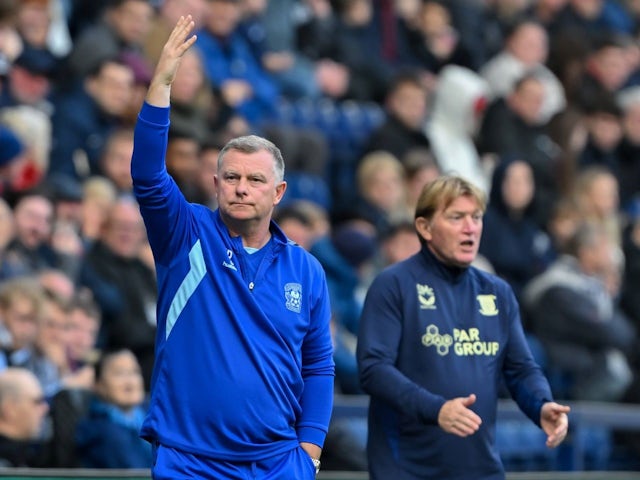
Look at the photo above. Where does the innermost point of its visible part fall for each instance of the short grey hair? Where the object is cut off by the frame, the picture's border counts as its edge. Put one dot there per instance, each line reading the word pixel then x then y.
pixel 253 144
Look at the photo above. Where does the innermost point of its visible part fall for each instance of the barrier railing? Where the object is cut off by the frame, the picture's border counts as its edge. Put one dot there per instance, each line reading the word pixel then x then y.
pixel 82 474
pixel 583 415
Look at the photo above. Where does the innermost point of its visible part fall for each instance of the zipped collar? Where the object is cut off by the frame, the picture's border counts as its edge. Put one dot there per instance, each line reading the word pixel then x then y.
pixel 450 273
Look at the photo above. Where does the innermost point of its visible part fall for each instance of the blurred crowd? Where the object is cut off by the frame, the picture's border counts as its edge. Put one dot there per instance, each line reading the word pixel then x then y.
pixel 535 101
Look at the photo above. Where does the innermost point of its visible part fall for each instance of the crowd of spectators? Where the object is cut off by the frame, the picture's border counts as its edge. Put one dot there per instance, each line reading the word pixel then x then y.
pixel 535 101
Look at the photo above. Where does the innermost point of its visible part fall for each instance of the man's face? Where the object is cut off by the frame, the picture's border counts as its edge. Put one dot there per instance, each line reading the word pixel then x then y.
pixel 122 383
pixel 21 320
pixel 124 231
pixel 409 104
pixel 527 101
pixel 27 87
pixel 116 163
pixel 246 186
pixel 222 17
pixel 29 409
pixel 34 221
pixel 453 234
pixel 182 160
pixel 82 335
pixel 132 21
pixel 112 88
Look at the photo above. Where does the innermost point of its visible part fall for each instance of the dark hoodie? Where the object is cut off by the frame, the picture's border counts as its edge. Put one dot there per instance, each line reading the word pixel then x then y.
pixel 516 247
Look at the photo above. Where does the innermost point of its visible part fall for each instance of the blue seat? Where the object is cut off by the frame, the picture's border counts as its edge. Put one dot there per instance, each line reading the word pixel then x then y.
pixel 522 446
pixel 304 186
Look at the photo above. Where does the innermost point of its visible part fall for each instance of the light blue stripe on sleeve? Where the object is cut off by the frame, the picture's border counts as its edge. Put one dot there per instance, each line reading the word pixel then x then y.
pixel 188 286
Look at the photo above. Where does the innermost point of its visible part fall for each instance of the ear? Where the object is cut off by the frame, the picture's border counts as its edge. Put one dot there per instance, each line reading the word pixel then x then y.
pixel 280 189
pixel 423 227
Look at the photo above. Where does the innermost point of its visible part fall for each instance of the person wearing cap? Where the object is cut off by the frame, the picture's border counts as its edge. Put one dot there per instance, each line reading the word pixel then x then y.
pixel 30 80
pixel 12 157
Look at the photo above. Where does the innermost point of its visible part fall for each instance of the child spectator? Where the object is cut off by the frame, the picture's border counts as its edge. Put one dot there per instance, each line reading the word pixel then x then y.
pixel 108 436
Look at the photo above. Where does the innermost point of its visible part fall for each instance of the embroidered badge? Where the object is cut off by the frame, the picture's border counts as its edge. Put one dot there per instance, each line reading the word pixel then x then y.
pixel 293 296
pixel 426 297
pixel 487 305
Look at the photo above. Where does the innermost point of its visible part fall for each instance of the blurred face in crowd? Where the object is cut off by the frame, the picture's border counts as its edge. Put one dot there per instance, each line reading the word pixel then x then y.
pixel 297 231
pixel 605 130
pixel 518 186
pixel 222 17
pixel 124 230
pixel 27 87
pixel 121 382
pixel 610 66
pixel 82 334
pixel 21 318
pixel 529 44
pixel 189 79
pixel 23 405
pixel 34 20
pixel 409 104
pixel 33 220
pixel 400 246
pixel 385 188
pixel 132 20
pixel 631 123
pixel 7 224
pixel 53 328
pixel 116 160
pixel 527 100
pixel 182 159
pixel 208 168
pixel 603 195
pixel 112 88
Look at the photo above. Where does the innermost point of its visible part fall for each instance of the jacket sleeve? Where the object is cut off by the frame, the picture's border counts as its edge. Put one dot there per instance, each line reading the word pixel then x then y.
pixel 161 201
pixel 317 368
pixel 378 342
pixel 524 377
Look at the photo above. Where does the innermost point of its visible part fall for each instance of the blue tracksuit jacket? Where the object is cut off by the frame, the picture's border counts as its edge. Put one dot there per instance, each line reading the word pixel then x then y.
pixel 429 333
pixel 243 367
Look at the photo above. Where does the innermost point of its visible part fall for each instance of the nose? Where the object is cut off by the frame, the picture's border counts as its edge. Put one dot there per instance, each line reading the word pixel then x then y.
pixel 241 187
pixel 471 224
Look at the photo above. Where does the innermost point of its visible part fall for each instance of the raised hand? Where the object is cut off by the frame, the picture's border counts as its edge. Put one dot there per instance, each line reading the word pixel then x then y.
pixel 178 43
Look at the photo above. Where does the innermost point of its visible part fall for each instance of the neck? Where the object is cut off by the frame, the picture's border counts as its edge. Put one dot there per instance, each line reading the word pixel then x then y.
pixel 254 235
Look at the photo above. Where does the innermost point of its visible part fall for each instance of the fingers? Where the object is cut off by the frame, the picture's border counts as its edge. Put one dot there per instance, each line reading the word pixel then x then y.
pixel 559 433
pixel 457 419
pixel 470 400
pixel 178 41
pixel 464 426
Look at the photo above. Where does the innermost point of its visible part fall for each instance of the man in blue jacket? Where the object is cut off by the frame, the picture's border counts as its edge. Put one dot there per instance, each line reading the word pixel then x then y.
pixel 436 337
pixel 243 378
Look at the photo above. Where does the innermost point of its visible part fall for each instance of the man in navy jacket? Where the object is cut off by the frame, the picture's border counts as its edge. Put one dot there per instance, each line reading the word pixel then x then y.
pixel 436 337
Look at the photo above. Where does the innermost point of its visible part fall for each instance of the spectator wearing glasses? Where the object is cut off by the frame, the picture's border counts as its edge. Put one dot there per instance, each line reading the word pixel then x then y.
pixel 22 411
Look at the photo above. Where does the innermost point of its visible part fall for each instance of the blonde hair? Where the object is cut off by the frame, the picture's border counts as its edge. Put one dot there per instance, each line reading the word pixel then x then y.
pixel 442 191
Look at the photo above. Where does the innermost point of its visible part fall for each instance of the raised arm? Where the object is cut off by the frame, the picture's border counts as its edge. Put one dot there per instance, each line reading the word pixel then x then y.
pixel 180 40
